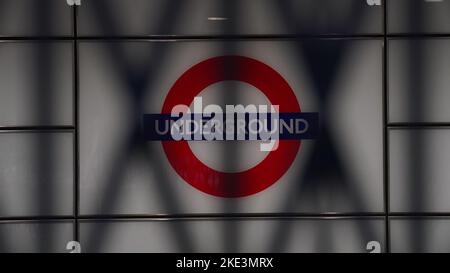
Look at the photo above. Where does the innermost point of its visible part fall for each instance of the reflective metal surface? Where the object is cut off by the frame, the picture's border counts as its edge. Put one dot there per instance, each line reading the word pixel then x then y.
pixel 76 81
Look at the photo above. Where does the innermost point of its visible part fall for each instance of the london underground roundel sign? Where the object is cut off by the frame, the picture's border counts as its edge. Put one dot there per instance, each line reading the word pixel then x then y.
pixel 274 165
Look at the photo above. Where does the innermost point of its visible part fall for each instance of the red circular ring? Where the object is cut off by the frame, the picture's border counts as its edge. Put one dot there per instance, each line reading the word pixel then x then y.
pixel 236 184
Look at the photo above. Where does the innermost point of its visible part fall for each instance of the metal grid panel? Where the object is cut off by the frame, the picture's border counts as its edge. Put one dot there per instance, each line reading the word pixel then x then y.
pixel 77 218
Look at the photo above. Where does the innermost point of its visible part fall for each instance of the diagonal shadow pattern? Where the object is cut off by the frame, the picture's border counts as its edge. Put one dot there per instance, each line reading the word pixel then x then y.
pixel 137 81
pixel 323 61
pixel 230 157
pixel 44 153
pixel 416 139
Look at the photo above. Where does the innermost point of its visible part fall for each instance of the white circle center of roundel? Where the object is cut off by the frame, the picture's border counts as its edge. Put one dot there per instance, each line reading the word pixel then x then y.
pixel 230 155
